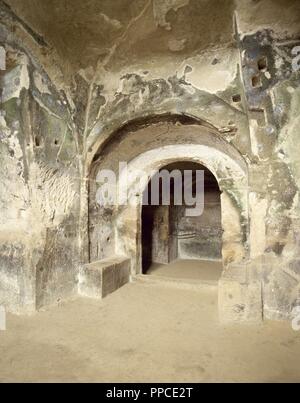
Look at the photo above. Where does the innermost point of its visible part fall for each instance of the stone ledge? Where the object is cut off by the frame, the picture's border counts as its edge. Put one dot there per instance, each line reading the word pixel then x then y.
pixel 101 278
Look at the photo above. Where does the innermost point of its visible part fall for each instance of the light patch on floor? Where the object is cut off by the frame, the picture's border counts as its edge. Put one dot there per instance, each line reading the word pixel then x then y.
pixel 145 333
pixel 202 270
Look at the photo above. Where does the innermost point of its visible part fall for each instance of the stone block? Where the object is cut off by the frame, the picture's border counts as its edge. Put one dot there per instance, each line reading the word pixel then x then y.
pixel 99 279
pixel 239 299
pixel 280 289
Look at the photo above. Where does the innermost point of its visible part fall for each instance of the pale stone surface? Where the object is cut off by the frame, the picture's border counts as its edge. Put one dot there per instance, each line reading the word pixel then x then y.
pixel 99 279
pixel 258 208
pixel 240 295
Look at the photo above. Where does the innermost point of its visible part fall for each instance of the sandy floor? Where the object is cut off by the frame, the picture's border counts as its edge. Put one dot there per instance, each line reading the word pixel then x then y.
pixel 188 269
pixel 145 332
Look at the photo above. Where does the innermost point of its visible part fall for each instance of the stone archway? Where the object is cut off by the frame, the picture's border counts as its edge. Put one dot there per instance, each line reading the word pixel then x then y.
pixel 128 224
pixel 115 231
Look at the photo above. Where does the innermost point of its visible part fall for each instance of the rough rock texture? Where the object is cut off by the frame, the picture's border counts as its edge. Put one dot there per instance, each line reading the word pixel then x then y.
pixel 87 84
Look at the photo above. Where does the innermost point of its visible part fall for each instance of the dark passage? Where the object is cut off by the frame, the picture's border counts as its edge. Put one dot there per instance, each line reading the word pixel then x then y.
pixel 169 235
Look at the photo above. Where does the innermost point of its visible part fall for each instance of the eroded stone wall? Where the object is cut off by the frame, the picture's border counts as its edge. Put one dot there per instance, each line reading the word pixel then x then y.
pixel 39 184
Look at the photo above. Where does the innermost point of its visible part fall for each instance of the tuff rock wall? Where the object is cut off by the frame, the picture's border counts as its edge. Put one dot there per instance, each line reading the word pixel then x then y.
pixel 76 72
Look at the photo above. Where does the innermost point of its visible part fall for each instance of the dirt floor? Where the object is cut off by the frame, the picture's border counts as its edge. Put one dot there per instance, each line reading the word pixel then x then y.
pixel 145 332
pixel 210 270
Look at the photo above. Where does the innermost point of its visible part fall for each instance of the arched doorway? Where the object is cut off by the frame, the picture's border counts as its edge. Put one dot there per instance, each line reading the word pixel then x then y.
pixel 117 230
pixel 175 243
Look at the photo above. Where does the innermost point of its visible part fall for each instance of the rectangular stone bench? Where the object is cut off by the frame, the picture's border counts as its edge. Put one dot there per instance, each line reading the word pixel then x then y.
pixel 101 278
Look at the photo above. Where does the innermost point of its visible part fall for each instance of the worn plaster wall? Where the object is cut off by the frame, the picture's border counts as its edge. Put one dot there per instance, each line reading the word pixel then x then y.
pixel 77 72
pixel 201 237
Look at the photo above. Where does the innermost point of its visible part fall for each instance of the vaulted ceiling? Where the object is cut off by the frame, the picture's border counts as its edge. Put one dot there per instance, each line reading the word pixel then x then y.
pixel 82 32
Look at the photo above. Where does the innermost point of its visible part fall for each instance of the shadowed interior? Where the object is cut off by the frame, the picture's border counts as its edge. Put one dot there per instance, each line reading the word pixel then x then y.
pixel 169 234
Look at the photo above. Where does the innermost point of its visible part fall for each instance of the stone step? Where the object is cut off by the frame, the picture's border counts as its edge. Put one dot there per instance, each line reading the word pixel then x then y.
pixel 187 284
pixel 101 278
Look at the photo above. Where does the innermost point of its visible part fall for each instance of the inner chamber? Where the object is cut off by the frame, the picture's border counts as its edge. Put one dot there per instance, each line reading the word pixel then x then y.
pixel 175 244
